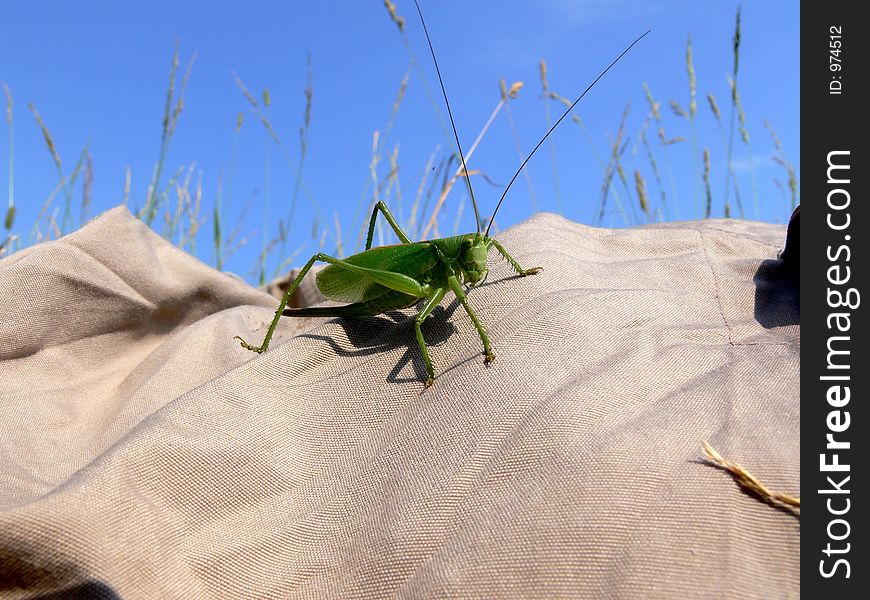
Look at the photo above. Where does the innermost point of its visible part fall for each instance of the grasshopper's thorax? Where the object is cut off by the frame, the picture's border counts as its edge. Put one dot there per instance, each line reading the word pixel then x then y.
pixel 464 256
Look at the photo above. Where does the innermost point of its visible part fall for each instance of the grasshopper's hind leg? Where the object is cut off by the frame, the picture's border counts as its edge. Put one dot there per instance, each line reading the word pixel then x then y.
pixel 394 281
pixel 515 264
pixel 380 206
pixel 431 302
pixel 262 348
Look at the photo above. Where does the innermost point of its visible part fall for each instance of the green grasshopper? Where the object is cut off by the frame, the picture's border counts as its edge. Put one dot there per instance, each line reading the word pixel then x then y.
pixel 402 275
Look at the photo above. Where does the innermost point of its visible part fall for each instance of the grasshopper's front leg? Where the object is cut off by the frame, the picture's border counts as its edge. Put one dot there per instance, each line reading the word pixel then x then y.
pixel 515 264
pixel 380 206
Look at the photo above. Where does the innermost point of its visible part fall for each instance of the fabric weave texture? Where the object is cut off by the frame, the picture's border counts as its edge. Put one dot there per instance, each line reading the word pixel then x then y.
pixel 145 454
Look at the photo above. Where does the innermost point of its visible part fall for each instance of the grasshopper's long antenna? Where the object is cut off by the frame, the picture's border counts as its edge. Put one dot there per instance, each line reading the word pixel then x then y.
pixel 450 114
pixel 564 114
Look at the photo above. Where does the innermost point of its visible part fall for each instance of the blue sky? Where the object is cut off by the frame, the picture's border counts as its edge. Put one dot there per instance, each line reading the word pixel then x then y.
pixel 97 73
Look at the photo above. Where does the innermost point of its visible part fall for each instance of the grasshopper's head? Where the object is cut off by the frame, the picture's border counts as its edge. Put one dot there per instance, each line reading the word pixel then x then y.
pixel 472 258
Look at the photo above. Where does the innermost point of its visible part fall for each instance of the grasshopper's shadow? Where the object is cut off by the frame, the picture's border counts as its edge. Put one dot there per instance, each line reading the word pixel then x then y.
pixel 391 330
pixel 497 280
pixel 395 329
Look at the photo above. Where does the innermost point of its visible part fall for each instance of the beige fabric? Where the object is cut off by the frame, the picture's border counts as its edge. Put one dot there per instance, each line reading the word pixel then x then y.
pixel 144 454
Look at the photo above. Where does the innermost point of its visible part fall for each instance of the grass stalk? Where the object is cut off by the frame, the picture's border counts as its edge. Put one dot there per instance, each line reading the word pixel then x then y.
pixel 442 173
pixel 128 181
pixel 373 173
pixel 614 167
pixel 690 115
pixel 431 224
pixel 664 143
pixel 87 188
pixel 643 199
pixel 421 187
pixel 261 111
pixel 656 175
pixel 509 95
pixel 52 148
pixel 9 219
pixel 233 241
pixel 413 63
pixel 393 180
pixel 611 166
pixel 734 110
pixel 36 235
pixel 172 110
pixel 193 220
pixel 397 102
pixel 217 225
pixel 709 195
pixel 714 108
pixel 267 200
pixel 339 245
pixel 779 158
pixel 69 182
pixel 545 95
pixel 219 242
pixel 303 146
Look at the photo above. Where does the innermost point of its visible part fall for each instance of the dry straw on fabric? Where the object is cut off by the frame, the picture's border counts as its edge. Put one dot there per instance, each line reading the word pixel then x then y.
pixel 750 482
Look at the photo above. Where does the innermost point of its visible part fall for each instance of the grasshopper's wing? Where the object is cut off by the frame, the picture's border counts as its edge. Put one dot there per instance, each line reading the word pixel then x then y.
pixel 389 301
pixel 414 260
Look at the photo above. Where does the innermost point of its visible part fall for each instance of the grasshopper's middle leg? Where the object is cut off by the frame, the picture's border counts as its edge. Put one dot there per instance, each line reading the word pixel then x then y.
pixel 380 206
pixel 454 284
pixel 433 301
pixel 514 263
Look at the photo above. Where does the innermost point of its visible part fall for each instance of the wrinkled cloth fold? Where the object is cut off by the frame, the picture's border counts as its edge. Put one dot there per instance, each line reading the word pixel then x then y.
pixel 145 454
